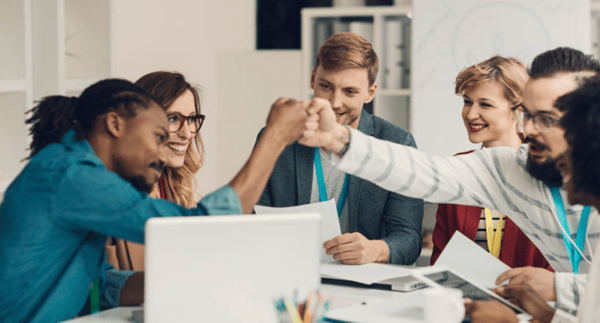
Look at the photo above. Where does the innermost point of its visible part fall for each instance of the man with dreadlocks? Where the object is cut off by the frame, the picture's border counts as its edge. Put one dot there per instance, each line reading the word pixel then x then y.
pixel 93 159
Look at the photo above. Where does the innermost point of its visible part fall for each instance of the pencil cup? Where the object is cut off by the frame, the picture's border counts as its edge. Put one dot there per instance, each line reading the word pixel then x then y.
pixel 443 305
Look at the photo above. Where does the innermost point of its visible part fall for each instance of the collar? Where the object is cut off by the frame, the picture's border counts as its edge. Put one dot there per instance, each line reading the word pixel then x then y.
pixel 365 124
pixel 81 149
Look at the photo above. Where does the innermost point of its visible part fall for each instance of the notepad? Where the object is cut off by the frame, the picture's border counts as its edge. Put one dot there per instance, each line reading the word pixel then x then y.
pixel 468 258
pixel 330 223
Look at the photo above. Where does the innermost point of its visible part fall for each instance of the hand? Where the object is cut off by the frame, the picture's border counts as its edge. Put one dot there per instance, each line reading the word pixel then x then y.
pixel 355 249
pixel 528 299
pixel 489 311
pixel 322 129
pixel 287 119
pixel 541 280
pixel 132 293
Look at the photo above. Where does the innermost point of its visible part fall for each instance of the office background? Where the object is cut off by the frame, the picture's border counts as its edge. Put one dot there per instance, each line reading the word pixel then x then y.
pixel 213 43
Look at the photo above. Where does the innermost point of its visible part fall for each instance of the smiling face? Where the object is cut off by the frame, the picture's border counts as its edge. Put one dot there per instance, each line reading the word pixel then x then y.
pixel 139 154
pixel 347 90
pixel 180 140
pixel 488 116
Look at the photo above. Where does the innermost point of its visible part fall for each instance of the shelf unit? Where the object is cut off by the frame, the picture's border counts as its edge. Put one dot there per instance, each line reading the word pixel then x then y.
pixel 16 77
pixel 595 23
pixel 392 101
pixel 49 47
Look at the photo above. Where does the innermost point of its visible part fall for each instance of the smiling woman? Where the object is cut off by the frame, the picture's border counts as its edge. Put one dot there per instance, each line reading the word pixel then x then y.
pixel 489 89
pixel 184 155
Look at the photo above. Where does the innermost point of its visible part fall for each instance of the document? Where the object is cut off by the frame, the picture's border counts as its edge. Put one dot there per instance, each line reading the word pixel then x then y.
pixel 471 261
pixel 402 308
pixel 330 223
pixel 365 274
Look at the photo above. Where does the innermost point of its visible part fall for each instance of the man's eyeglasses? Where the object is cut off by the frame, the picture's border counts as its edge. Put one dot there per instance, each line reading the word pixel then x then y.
pixel 176 121
pixel 542 123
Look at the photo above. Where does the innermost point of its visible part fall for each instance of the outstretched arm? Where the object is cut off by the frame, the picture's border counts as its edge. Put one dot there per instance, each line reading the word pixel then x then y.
pixel 409 172
pixel 285 124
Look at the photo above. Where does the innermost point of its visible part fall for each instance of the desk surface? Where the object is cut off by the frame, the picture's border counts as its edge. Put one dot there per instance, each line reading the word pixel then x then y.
pixel 340 296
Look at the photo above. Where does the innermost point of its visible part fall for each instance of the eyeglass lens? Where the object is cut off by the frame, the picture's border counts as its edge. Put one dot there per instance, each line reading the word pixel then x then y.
pixel 177 120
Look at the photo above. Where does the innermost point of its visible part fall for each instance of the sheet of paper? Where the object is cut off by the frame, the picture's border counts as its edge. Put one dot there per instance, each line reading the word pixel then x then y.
pixel 470 260
pixel 330 223
pixel 364 274
pixel 405 308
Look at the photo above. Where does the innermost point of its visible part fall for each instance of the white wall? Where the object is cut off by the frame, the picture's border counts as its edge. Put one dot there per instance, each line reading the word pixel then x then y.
pixel 248 82
pixel 186 36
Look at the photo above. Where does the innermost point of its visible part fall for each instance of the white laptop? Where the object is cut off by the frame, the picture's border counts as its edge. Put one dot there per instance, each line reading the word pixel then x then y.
pixel 228 268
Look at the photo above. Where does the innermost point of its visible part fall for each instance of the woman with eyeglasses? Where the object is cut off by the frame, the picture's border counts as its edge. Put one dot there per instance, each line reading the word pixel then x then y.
pixel 490 90
pixel 181 102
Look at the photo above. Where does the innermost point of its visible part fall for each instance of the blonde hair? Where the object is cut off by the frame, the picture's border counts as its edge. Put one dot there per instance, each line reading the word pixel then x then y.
pixel 179 183
pixel 348 50
pixel 510 73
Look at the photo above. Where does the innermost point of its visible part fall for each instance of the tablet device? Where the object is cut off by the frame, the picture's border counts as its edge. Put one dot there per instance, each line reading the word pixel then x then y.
pixel 442 276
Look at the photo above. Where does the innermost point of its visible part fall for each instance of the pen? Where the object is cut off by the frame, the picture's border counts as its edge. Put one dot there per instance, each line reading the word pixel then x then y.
pixel 319 310
pixel 282 315
pixel 293 312
pixel 308 311
pixel 325 309
pixel 301 309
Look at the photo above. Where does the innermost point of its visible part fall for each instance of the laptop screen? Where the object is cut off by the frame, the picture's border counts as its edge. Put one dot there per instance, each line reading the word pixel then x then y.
pixel 228 268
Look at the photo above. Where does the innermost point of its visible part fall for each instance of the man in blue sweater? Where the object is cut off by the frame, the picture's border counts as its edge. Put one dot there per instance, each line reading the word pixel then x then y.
pixel 93 160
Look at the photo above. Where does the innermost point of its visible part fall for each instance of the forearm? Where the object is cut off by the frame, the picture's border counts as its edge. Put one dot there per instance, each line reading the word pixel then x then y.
pixel 132 293
pixel 382 251
pixel 409 172
pixel 339 138
pixel 250 182
pixel 404 246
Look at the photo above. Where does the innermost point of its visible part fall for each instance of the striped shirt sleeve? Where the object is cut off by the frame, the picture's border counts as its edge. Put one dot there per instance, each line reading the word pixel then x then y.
pixel 466 179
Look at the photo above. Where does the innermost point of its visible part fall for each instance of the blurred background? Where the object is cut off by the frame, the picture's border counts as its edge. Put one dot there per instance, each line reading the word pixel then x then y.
pixel 242 54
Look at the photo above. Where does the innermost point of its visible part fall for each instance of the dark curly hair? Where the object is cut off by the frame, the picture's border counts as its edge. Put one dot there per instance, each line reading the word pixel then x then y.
pixel 582 131
pixel 55 115
pixel 562 60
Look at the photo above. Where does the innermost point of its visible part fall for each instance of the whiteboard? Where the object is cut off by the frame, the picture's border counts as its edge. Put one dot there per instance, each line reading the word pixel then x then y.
pixel 453 34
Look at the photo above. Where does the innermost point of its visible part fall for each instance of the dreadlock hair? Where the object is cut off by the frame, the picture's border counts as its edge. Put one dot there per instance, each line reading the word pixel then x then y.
pixel 165 88
pixel 582 131
pixel 562 60
pixel 56 115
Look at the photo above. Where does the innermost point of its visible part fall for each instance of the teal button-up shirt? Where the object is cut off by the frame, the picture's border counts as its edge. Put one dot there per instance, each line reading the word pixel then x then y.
pixel 54 222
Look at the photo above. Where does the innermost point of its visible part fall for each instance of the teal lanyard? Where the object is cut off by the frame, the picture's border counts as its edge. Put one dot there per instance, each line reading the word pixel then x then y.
pixel 574 256
pixel 323 189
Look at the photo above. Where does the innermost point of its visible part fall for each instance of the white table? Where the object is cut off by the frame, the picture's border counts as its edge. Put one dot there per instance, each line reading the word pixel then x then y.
pixel 342 297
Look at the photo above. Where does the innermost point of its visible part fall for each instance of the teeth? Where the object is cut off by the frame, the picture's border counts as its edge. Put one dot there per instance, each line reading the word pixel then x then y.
pixel 477 127
pixel 177 147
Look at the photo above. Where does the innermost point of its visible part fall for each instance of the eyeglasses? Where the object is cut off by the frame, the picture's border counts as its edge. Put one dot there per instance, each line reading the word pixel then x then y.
pixel 176 121
pixel 542 123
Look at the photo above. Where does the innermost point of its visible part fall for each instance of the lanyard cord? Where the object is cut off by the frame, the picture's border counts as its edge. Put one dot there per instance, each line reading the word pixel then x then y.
pixel 323 189
pixel 494 240
pixel 581 230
